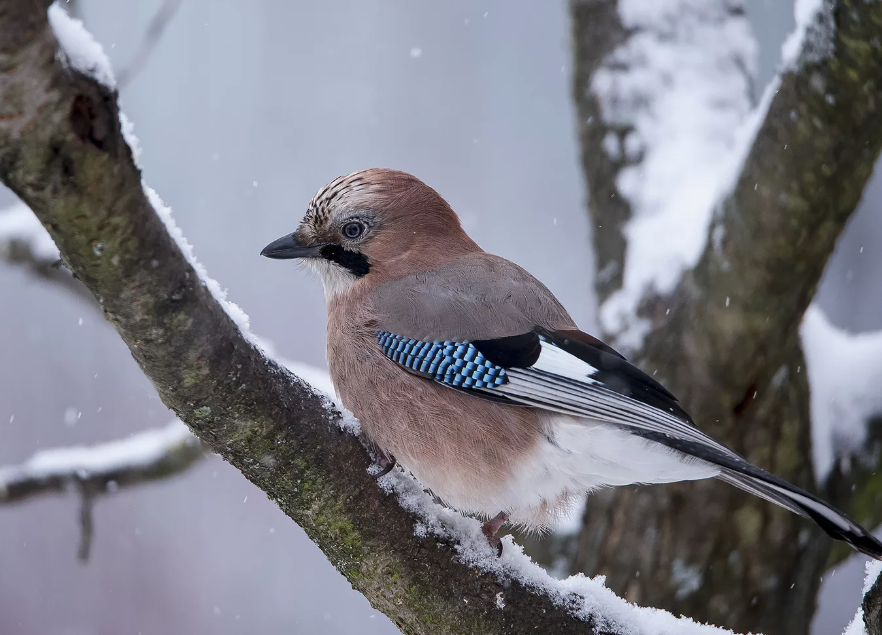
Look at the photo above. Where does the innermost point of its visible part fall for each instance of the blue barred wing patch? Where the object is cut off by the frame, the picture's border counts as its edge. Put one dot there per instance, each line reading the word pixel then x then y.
pixel 457 364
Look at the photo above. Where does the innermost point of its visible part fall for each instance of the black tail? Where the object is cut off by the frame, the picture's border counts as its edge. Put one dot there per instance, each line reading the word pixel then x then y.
pixel 830 519
pixel 738 472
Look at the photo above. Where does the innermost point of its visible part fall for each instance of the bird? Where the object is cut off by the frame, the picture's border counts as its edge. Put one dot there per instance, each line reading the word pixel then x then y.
pixel 466 371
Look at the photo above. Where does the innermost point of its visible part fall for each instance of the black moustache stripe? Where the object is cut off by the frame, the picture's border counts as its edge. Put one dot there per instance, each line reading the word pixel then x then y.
pixel 356 263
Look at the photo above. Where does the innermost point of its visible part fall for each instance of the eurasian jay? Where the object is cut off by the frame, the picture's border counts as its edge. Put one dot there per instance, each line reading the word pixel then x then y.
pixel 468 372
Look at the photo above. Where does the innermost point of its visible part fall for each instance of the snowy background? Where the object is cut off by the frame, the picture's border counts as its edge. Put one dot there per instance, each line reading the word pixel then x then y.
pixel 244 111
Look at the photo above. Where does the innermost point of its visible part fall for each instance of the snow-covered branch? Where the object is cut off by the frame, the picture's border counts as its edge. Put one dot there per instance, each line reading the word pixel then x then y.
pixel 868 619
pixel 103 468
pixel 673 101
pixel 676 128
pixel 845 375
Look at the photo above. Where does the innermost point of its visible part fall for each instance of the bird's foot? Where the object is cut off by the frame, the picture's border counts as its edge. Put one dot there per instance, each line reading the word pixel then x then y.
pixel 496 544
pixel 386 463
pixel 490 528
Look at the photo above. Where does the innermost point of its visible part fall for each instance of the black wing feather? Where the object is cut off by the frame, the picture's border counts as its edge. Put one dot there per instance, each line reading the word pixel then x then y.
pixel 515 351
pixel 613 370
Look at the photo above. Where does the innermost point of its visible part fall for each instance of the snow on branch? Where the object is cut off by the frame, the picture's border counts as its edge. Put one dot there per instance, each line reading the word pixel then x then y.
pixel 870 611
pixel 104 467
pixel 93 471
pixel 675 96
pixel 78 49
pixel 812 37
pixel 585 598
pixel 845 379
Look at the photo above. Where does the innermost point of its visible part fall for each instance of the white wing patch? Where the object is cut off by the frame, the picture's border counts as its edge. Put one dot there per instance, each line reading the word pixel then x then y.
pixel 558 362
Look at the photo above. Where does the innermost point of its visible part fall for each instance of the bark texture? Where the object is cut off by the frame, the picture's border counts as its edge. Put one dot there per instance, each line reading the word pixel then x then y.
pixel 726 340
pixel 63 154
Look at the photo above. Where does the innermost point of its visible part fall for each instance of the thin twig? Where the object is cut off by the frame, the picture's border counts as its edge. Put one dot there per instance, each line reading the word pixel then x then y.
pixel 151 38
pixel 87 502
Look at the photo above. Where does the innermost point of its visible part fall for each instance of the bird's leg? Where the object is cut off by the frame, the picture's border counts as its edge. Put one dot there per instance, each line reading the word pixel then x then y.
pixel 386 463
pixel 491 527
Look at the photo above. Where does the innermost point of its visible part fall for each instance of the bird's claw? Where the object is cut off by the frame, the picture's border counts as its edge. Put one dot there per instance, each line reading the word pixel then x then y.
pixel 490 528
pixel 386 463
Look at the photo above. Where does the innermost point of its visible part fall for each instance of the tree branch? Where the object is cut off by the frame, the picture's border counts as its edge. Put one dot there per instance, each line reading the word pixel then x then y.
pixel 103 468
pixel 87 525
pixel 63 152
pixel 717 317
pixel 870 611
pixel 868 619
pixel 108 467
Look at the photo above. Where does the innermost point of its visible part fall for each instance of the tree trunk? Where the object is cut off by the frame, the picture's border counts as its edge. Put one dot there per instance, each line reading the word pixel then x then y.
pixel 726 340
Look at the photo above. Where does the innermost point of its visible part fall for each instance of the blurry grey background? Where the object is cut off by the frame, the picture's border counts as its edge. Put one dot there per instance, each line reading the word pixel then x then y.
pixel 244 110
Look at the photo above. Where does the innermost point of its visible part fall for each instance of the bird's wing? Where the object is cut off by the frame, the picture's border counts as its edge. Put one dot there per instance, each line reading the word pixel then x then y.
pixel 572 373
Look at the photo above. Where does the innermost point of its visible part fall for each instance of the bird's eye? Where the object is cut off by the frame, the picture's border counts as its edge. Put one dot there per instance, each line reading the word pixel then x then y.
pixel 353 229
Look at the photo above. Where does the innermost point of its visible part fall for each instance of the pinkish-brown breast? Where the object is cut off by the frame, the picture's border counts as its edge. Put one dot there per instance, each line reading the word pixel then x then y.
pixel 461 447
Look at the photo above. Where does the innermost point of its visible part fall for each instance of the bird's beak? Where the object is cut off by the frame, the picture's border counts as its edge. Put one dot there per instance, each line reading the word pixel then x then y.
pixel 287 247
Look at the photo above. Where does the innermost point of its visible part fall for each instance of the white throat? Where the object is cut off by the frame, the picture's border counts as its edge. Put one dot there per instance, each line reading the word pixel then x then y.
pixel 335 279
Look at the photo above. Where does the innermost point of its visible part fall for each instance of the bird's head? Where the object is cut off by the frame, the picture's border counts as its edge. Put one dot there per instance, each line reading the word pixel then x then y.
pixel 372 226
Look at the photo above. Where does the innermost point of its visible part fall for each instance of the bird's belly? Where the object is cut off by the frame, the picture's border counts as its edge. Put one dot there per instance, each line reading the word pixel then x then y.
pixel 579 455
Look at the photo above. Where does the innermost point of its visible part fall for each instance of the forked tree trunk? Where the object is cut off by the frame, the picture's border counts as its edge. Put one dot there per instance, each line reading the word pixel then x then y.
pixel 726 339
